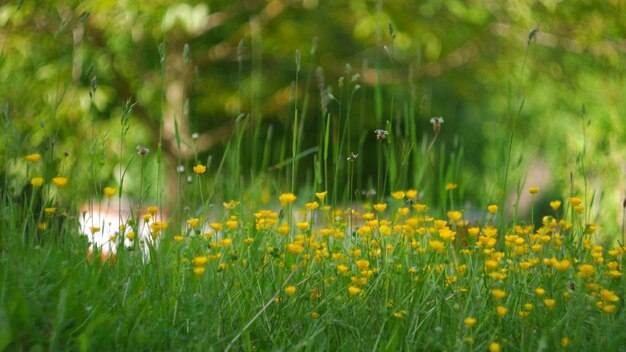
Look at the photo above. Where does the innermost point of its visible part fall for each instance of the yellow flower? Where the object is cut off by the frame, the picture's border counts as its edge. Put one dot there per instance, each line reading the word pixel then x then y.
pixel 437 246
pixel 50 211
pixel 586 270
pixel 420 207
pixel 94 230
pixel 379 207
pixel 311 206
pixel 501 311
pixel 398 195
pixel 533 190
pixel 33 158
pixel 290 290
pixel 454 216
pixel 294 248
pixel 130 236
pixel 152 210
pixel 36 181
pixel 362 264
pixel 469 321
pixel 497 293
pixel 60 181
pixel 193 222
pixel 178 238
pixel 403 211
pixel 321 195
pixel 226 242
pixel 539 291
pixel 42 226
pixel 302 226
pixel 555 204
pixel 315 315
pixel 451 186
pixel 200 260
pixel 199 270
pixel 286 199
pixel 109 191
pixel 411 193
pixel 549 302
pixel 216 226
pixel 492 208
pixel 231 205
pixel 574 201
pixel 494 347
pixel 342 269
pixel 565 341
pixel 401 314
pixel 199 169
pixel 353 290
pixel 579 208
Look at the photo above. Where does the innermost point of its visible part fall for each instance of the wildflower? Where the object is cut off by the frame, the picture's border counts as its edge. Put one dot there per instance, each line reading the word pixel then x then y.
pixel 109 191
pixel 450 186
pixel 411 194
pixel 314 315
pixel 42 226
pixel 353 290
pixel 33 158
pixel 574 201
pixel 152 210
pixel 501 311
pixel 400 314
pixel 193 222
pixel 609 308
pixel 290 290
pixel 36 181
pixel 381 134
pixel 94 230
pixel 302 226
pixel 586 270
pixel 565 341
pixel 362 264
pixel 231 205
pixel 178 238
pixel 286 199
pixel 437 246
pixel 312 205
pixel 540 291
pixel 146 217
pixel 469 321
pixel 226 242
pixel 200 260
pixel 492 209
pixel 50 211
pixel 199 169
pixel 579 208
pixel 199 270
pixel 130 235
pixel 295 248
pixel 60 181
pixel 321 195
pixel 454 216
pixel 555 204
pixel 436 122
pixel 549 302
pixel 420 207
pixel 398 195
pixel 533 190
pixel 497 293
pixel 379 207
pixel 494 347
pixel 342 269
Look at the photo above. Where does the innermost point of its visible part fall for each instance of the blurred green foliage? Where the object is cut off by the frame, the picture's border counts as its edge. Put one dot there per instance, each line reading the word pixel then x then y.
pixel 202 64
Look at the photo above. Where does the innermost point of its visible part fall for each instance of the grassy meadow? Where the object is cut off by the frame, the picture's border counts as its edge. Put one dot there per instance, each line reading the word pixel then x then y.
pixel 351 226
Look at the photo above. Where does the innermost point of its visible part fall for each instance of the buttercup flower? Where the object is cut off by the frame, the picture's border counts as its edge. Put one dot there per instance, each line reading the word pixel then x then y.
pixel 60 181
pixel 199 169
pixel 290 290
pixel 33 158
pixel 469 321
pixel 321 195
pixel 286 199
pixel 109 191
pixel 36 181
pixel 533 190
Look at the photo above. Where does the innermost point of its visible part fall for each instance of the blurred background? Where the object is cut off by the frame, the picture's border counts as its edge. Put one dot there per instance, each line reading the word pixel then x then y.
pixel 218 82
